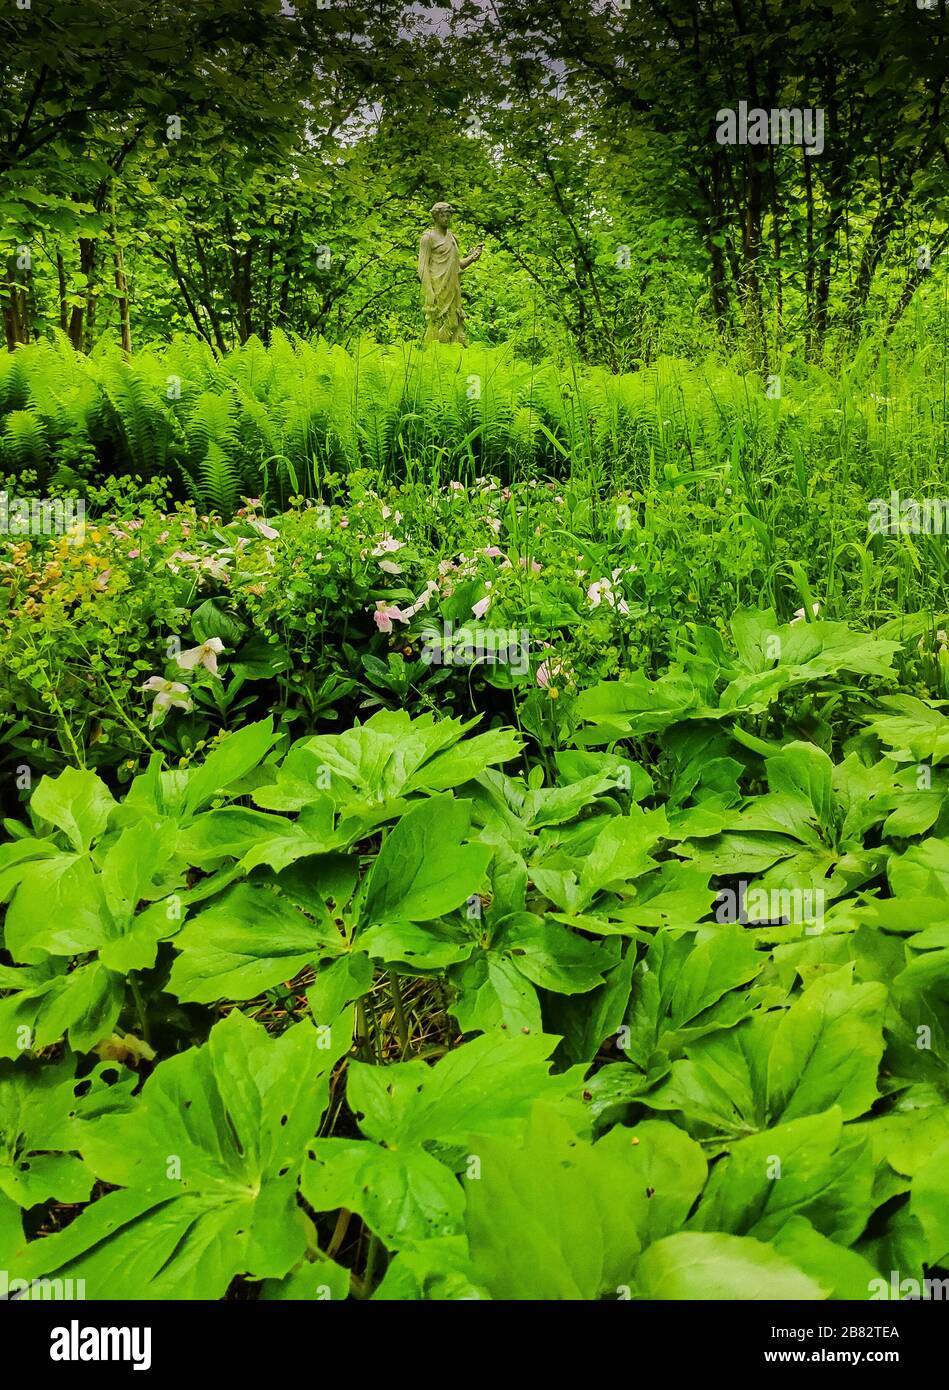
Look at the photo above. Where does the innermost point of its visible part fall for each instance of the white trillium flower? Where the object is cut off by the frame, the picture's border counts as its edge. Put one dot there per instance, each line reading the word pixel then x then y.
pixel 205 655
pixel 800 615
pixel 168 695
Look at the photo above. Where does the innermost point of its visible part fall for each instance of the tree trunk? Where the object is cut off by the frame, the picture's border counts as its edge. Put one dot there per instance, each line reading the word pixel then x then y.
pixel 121 287
pixel 61 277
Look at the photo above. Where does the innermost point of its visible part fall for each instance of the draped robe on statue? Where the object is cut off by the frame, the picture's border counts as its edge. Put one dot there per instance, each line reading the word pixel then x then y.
pixel 439 269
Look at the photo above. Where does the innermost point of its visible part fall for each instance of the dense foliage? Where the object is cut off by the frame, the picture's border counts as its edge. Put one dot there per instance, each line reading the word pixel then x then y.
pixel 698 1103
pixel 475 820
pixel 235 167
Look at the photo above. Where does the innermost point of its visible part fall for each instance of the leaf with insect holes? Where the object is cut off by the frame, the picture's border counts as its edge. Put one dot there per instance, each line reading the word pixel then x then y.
pixel 207 1161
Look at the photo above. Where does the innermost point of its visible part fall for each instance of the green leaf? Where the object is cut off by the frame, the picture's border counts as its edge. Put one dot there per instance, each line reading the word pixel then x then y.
pixel 76 802
pixel 929 1203
pixel 704 1267
pixel 37 1110
pixel 492 994
pixel 208 1159
pixel 425 869
pixel 486 1086
pixel 247 941
pixel 807 1167
pixel 232 759
pixel 827 1049
pixel 403 1195
pixel 551 1217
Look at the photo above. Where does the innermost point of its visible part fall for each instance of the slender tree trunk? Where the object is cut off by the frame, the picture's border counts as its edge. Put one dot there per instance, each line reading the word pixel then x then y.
pixel 16 322
pixel 208 300
pixel 78 328
pixel 121 287
pixel 186 295
pixel 61 278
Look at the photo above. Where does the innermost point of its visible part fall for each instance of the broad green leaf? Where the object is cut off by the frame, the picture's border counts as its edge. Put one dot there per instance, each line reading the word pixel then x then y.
pixel 552 1217
pixel 247 941
pixel 807 1167
pixel 208 1159
pixel 486 1086
pixel 827 1049
pixel 76 802
pixel 425 869
pixel 702 1267
pixel 404 1195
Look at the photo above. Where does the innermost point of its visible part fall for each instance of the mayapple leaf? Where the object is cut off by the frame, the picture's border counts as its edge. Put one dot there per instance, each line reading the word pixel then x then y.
pixel 808 1167
pixel 552 1217
pixel 929 1203
pixel 711 1266
pixel 46 1005
pixel 827 1049
pixel 404 1195
pixel 841 1273
pixel 250 939
pixel 38 1131
pixel 426 868
pixel 492 994
pixel 232 759
pixel 319 1280
pixel 433 1270
pixel 207 1160
pixel 486 1086
pixel 76 802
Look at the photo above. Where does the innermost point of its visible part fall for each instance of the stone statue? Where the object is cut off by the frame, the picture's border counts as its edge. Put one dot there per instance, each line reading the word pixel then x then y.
pixel 440 264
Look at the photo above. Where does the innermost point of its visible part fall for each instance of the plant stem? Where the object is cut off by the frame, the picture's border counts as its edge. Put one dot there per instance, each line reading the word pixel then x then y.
pixel 399 1008
pixel 139 1005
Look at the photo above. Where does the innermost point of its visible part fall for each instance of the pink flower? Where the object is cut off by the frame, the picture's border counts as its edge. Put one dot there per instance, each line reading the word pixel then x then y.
pixel 422 601
pixel 456 487
pixel 215 567
pixel 390 567
pixel 481 607
pixel 384 614
pixel 343 522
pixel 134 554
pixel 535 568
pixel 493 552
pixel 102 580
pixel 601 591
pixel 183 556
pixel 262 529
pixel 387 546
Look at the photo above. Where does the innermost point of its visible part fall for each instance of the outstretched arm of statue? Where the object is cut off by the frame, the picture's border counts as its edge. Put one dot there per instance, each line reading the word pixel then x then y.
pixel 472 256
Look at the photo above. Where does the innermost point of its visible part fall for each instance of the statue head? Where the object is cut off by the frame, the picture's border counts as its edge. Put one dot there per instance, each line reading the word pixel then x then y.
pixel 441 215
